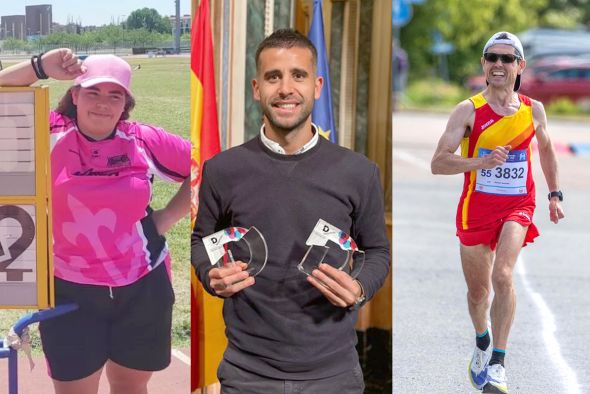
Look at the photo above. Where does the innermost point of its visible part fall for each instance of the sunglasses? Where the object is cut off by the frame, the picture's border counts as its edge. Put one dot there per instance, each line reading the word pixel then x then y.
pixel 504 57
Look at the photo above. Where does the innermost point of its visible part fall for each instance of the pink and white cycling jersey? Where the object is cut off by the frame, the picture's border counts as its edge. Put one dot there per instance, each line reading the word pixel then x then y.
pixel 103 232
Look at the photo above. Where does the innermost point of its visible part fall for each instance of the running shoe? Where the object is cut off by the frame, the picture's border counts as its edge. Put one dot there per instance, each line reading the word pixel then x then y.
pixel 477 366
pixel 496 380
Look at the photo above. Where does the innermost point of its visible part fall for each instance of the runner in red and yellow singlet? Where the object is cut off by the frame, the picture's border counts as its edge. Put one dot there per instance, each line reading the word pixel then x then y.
pixel 492 196
pixel 494 218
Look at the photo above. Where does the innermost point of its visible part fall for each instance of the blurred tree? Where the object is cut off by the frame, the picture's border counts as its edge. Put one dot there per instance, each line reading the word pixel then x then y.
pixel 60 38
pixel 12 44
pixel 149 19
pixel 565 13
pixel 142 37
pixel 466 25
pixel 112 34
pixel 88 40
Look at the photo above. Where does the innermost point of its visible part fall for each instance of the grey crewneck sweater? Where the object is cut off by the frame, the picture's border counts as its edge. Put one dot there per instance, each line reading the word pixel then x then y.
pixel 282 327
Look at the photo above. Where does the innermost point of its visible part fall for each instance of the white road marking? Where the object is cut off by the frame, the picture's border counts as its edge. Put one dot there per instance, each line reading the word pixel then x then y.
pixel 181 356
pixel 549 327
pixel 412 159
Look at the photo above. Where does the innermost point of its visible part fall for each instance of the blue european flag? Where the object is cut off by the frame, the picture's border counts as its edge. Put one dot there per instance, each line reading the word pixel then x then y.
pixel 323 113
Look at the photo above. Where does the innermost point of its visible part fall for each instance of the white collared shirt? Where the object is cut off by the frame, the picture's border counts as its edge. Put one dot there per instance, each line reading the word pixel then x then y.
pixel 277 148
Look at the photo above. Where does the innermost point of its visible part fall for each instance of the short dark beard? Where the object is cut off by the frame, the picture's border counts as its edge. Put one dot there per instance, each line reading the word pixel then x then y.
pixel 282 130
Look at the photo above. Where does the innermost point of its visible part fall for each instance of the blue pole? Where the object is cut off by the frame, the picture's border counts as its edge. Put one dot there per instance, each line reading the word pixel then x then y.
pixel 12 372
pixel 18 327
pixel 10 354
pixel 35 317
pixel 5 353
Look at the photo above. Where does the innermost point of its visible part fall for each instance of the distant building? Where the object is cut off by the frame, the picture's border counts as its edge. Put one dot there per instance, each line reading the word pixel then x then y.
pixel 39 20
pixel 185 23
pixel 12 26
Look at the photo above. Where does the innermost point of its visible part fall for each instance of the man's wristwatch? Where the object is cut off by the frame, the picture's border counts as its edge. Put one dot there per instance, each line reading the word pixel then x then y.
pixel 359 301
pixel 557 194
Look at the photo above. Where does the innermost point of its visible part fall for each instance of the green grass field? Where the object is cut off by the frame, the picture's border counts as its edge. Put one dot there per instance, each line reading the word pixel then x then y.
pixel 162 93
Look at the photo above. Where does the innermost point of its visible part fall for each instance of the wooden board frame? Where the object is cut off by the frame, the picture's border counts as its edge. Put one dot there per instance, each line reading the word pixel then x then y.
pixel 40 199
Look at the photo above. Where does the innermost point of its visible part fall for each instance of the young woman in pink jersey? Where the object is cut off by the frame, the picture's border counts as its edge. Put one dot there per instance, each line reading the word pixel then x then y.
pixel 110 256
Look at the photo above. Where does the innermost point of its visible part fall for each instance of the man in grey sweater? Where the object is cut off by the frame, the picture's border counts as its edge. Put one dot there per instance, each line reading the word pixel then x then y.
pixel 289 332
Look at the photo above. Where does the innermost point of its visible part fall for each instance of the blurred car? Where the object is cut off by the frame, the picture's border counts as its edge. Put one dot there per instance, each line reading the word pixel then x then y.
pixel 549 79
pixel 565 78
pixel 475 83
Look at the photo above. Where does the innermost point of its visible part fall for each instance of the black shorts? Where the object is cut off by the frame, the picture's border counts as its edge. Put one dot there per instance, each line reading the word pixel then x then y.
pixel 133 328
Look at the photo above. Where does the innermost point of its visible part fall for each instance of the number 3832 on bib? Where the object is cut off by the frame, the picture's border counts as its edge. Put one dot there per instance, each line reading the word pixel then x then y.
pixel 508 179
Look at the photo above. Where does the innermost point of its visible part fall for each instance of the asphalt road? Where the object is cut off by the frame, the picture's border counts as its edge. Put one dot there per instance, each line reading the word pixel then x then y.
pixel 549 346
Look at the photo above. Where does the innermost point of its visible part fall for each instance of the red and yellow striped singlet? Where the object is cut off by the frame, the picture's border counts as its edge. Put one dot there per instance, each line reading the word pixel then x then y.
pixel 491 195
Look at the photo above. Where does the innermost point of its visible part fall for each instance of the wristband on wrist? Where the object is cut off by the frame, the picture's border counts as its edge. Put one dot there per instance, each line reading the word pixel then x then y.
pixel 40 65
pixel 37 65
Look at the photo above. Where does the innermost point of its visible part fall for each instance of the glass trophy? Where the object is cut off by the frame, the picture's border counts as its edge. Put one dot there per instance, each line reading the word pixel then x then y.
pixel 328 244
pixel 237 243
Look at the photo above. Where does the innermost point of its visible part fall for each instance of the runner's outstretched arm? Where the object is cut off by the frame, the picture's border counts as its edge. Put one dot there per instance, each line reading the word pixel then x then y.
pixel 548 159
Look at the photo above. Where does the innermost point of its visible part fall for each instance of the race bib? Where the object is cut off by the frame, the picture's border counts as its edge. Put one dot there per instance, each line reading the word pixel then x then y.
pixel 508 179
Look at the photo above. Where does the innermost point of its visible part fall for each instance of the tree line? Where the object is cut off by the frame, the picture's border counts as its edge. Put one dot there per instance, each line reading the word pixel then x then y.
pixel 143 28
pixel 467 25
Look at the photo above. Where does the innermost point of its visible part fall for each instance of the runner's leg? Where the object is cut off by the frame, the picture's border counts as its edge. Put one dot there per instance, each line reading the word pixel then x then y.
pixel 477 269
pixel 504 303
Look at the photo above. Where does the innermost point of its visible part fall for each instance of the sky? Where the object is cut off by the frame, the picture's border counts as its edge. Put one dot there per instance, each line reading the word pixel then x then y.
pixel 94 12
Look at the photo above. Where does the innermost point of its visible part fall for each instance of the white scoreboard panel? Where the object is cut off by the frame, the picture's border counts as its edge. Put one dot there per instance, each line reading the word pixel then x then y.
pixel 26 269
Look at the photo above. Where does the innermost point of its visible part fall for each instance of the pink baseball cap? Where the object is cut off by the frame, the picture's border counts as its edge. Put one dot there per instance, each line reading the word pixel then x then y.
pixel 105 68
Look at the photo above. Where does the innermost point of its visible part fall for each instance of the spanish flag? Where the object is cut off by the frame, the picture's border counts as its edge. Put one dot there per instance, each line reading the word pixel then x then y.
pixel 207 328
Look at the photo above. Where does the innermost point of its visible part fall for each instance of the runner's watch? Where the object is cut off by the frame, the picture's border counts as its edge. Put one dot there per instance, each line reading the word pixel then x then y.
pixel 557 194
